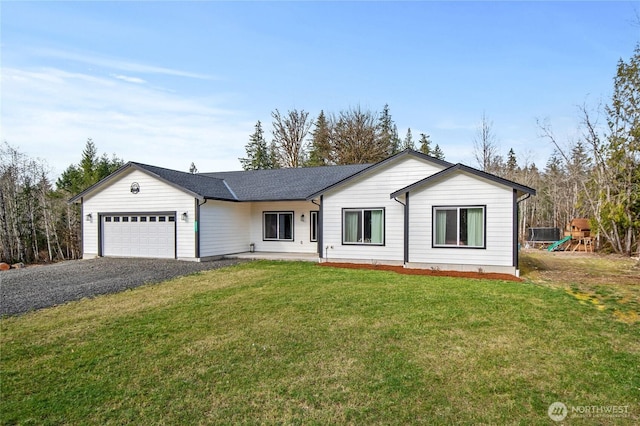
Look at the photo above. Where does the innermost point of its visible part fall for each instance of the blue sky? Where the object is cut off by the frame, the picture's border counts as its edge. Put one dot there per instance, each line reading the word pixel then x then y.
pixel 168 83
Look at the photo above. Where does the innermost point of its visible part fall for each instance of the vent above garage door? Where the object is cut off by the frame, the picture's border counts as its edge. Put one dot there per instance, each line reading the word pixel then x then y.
pixel 139 235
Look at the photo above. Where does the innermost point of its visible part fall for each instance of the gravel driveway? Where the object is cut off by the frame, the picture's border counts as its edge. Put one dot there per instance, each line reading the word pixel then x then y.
pixel 36 287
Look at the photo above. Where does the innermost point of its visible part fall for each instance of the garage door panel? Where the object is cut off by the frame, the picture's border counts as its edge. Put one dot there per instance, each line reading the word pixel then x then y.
pixel 139 235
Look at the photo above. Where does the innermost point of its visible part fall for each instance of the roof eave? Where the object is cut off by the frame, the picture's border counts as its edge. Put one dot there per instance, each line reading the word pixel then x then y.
pixel 273 200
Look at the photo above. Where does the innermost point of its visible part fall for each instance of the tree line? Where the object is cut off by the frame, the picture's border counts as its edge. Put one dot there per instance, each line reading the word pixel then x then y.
pixel 36 222
pixel 352 136
pixel 596 176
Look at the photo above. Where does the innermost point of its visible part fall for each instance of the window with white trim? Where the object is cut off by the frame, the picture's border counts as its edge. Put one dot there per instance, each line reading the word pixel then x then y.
pixel 363 226
pixel 462 226
pixel 314 226
pixel 277 226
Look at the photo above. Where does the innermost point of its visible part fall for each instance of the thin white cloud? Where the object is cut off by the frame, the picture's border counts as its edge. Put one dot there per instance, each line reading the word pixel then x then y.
pixel 453 124
pixel 128 79
pixel 118 64
pixel 50 113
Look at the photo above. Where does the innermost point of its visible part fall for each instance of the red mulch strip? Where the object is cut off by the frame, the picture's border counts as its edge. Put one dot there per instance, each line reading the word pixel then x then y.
pixel 430 272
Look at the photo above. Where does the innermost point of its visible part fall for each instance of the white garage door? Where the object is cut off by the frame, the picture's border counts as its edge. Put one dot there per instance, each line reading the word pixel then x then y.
pixel 139 235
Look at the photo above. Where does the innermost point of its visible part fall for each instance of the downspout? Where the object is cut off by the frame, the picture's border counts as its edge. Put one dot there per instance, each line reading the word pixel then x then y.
pixel 406 225
pixel 516 225
pixel 320 233
pixel 196 227
pixel 82 231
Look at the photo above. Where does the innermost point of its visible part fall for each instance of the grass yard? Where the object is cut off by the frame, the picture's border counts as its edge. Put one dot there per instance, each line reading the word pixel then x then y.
pixel 607 282
pixel 294 343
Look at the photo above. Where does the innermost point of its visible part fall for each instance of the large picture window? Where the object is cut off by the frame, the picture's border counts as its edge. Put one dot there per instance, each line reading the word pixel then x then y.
pixel 363 226
pixel 458 227
pixel 278 226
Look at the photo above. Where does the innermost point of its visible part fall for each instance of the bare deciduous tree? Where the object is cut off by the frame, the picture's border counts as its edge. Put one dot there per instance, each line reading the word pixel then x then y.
pixel 289 133
pixel 356 137
pixel 485 147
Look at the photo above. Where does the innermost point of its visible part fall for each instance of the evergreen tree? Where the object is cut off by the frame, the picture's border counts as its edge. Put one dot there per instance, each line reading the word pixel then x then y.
pixel 438 153
pixel 388 131
pixel 75 179
pixel 620 216
pixel 89 162
pixel 512 165
pixel 408 140
pixel 425 144
pixel 553 193
pixel 320 151
pixel 258 156
pixel 579 163
pixel 90 170
pixel 272 158
pixel 396 143
pixel 512 162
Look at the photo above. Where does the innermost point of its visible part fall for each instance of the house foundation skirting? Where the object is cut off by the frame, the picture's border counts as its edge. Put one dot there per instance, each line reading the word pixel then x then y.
pixel 464 268
pixel 362 261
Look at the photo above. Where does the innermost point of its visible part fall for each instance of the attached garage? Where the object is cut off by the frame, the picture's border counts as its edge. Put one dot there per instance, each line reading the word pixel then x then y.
pixel 138 235
pixel 146 212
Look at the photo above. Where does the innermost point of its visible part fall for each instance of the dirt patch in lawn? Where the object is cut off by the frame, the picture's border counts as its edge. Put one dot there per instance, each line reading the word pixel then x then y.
pixel 604 281
pixel 594 268
pixel 430 272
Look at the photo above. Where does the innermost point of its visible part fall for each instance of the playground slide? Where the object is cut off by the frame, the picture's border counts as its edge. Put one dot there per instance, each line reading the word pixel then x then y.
pixel 557 244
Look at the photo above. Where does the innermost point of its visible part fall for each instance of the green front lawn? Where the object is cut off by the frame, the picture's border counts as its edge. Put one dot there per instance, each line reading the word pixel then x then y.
pixel 286 342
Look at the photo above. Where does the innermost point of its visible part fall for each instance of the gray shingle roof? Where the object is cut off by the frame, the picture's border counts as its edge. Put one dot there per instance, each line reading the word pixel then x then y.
pixel 284 184
pixel 202 185
pixel 252 185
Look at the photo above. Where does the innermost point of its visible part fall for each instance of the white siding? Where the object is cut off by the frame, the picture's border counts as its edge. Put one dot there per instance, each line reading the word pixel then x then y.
pixel 224 228
pixel 372 191
pixel 301 230
pixel 154 196
pixel 463 190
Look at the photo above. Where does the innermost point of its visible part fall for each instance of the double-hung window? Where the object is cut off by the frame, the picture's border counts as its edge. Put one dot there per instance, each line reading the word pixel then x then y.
pixel 363 226
pixel 277 226
pixel 459 226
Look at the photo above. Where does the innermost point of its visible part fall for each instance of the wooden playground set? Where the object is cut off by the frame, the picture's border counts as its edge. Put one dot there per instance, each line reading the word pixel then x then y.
pixel 577 237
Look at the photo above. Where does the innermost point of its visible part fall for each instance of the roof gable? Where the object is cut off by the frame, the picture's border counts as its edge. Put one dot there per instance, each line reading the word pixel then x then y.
pixel 199 186
pixel 461 168
pixel 375 167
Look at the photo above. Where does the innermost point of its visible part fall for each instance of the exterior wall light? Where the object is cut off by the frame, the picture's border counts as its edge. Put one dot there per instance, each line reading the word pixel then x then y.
pixel 184 216
pixel 88 217
pixel 302 217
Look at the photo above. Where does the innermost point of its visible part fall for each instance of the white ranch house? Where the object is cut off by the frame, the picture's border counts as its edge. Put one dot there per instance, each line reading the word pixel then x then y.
pixel 410 209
